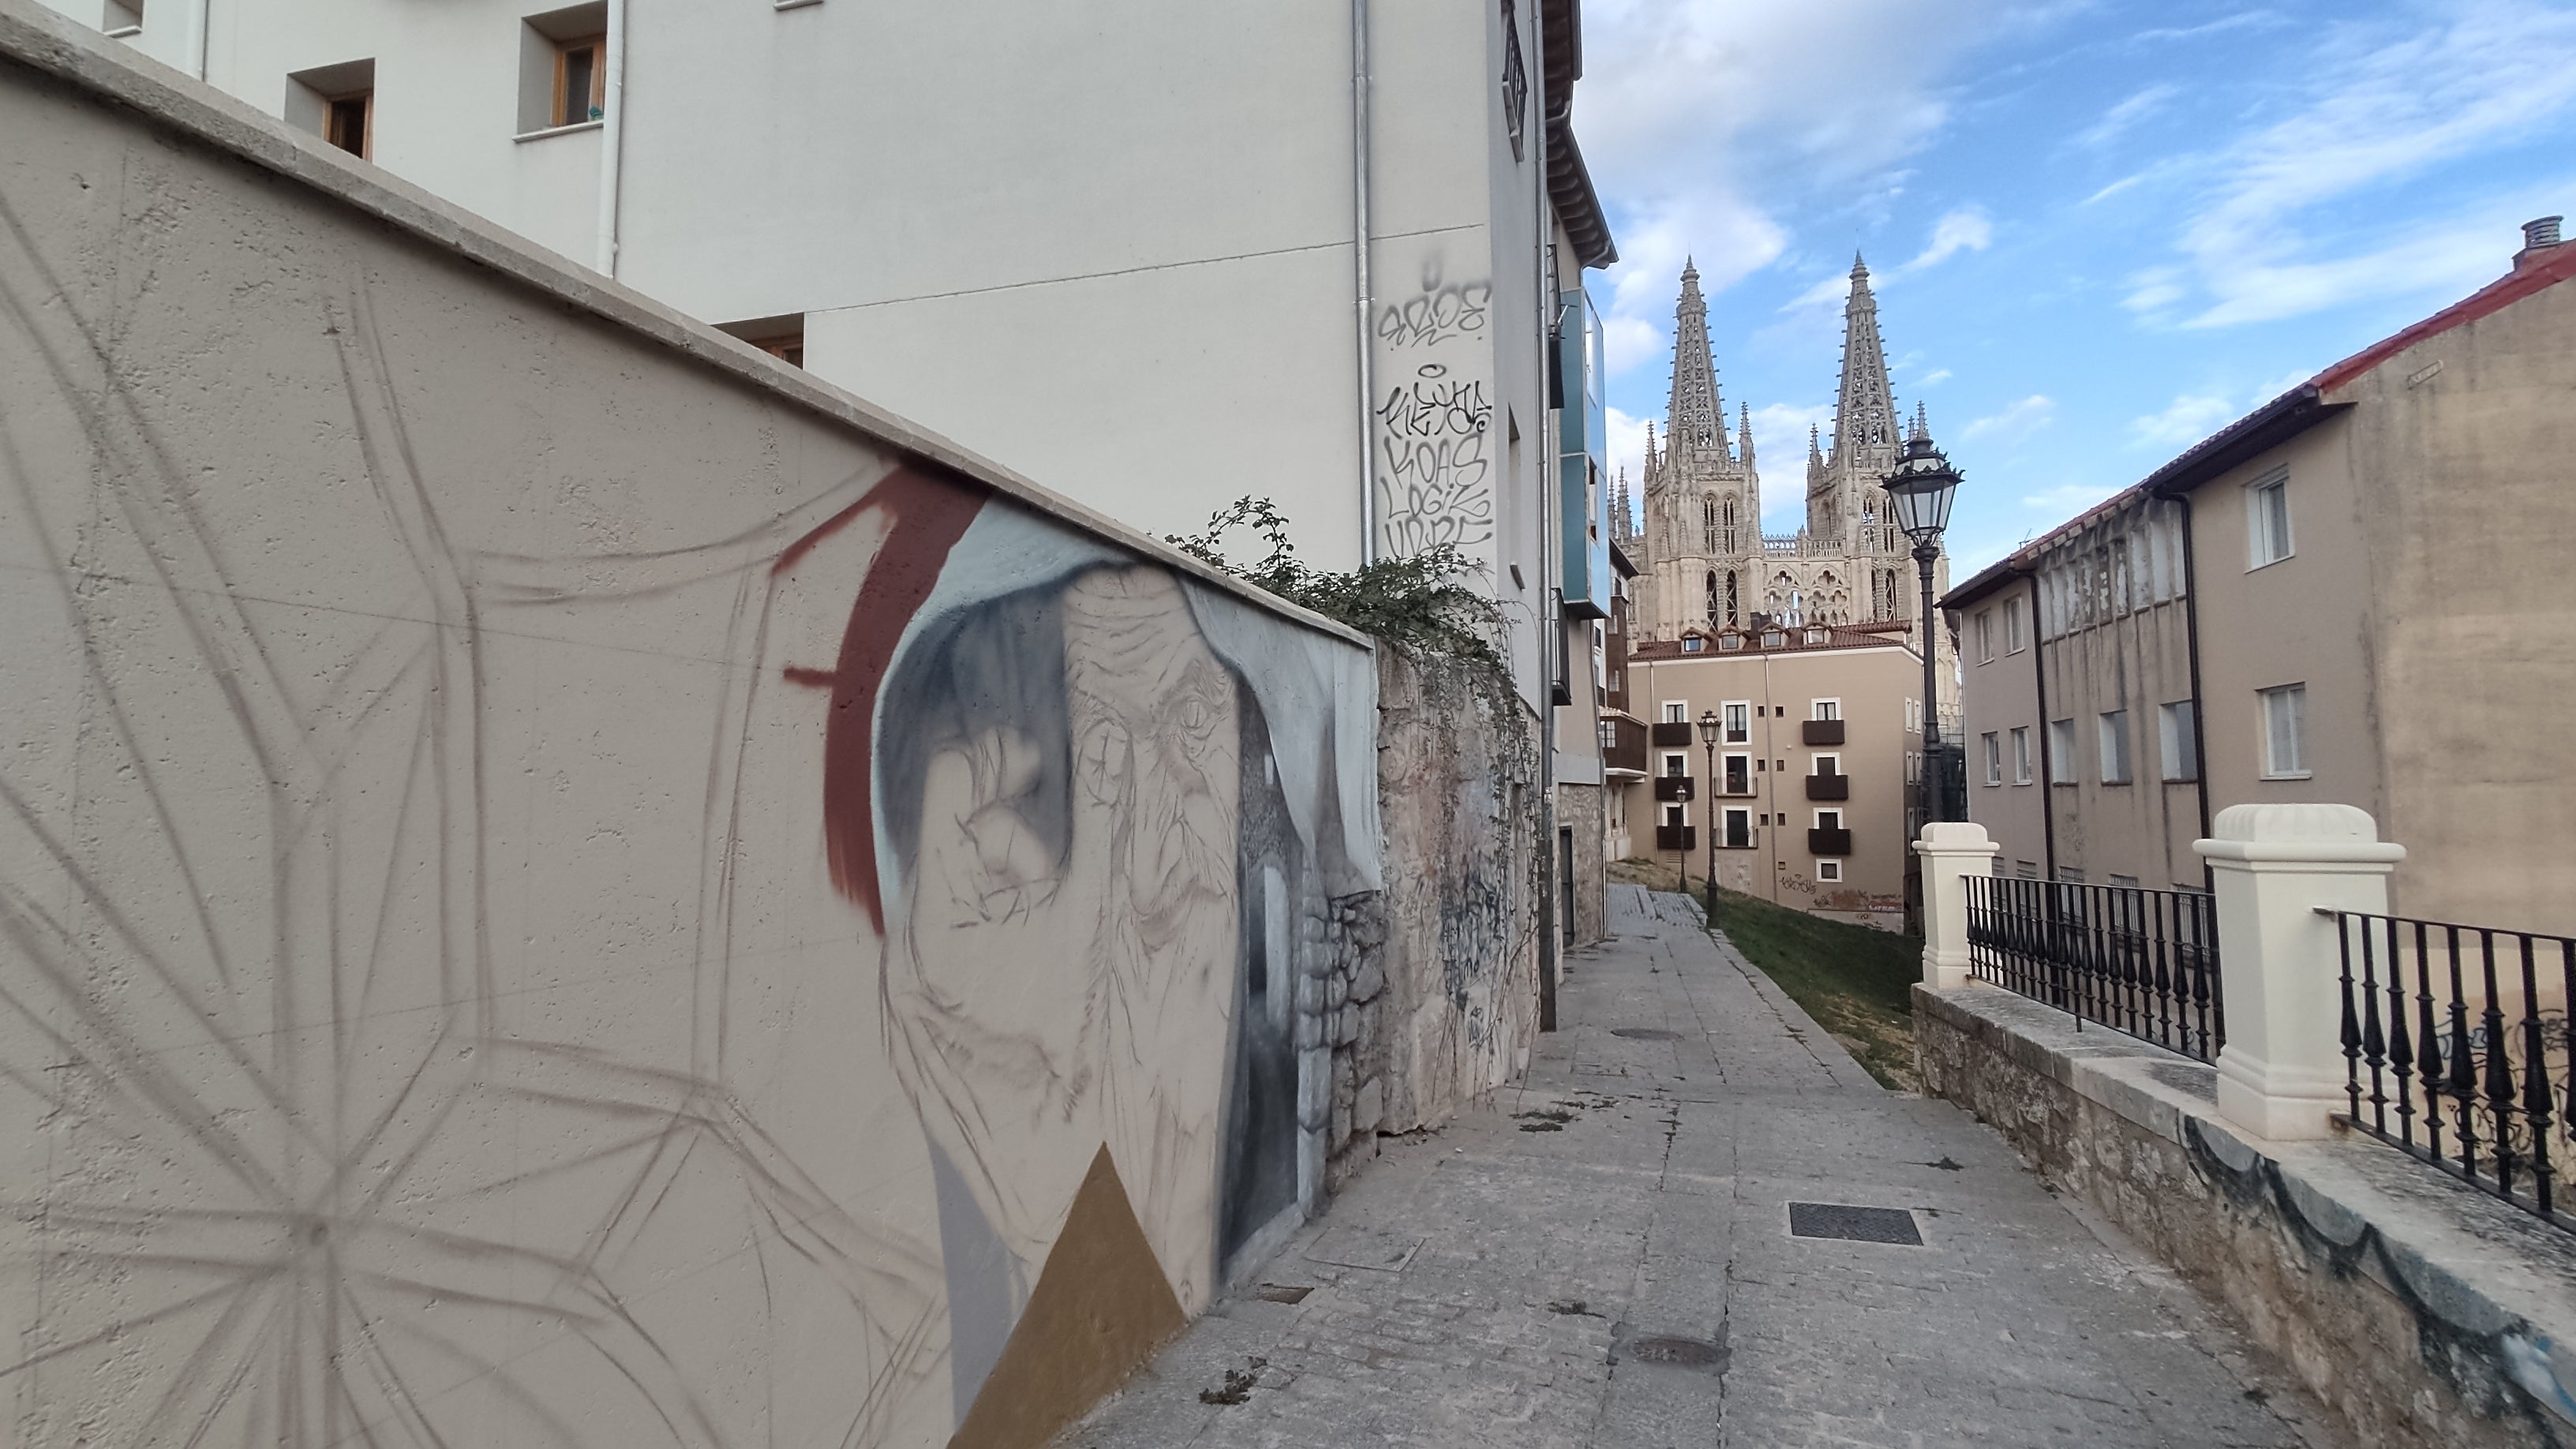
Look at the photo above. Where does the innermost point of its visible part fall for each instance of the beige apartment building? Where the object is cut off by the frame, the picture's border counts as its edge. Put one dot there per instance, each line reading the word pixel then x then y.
pixel 2359 593
pixel 1801 799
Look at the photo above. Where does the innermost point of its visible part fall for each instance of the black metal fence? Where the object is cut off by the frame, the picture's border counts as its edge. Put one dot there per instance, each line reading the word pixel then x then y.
pixel 2458 1045
pixel 2140 961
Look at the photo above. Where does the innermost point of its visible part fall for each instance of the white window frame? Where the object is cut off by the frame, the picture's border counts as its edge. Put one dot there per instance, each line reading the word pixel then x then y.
pixel 2021 754
pixel 2015 640
pixel 1985 636
pixel 1825 709
pixel 1825 757
pixel 1994 743
pixel 2061 752
pixel 2270 705
pixel 2112 747
pixel 1672 757
pixel 1829 868
pixel 1719 784
pixel 1727 820
pixel 2262 548
pixel 1735 722
pixel 1676 711
pixel 1676 815
pixel 1820 814
pixel 2178 741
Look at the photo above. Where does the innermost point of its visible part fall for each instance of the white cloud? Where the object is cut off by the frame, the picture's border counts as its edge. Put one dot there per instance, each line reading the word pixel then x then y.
pixel 2068 499
pixel 1628 341
pixel 2187 420
pixel 1936 375
pixel 2015 422
pixel 2382 108
pixel 1627 445
pixel 2118 120
pixel 1963 230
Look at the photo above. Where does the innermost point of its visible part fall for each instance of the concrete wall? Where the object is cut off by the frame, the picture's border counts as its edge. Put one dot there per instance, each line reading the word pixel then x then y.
pixel 2419 1311
pixel 1999 695
pixel 1877 687
pixel 2459 452
pixel 561 882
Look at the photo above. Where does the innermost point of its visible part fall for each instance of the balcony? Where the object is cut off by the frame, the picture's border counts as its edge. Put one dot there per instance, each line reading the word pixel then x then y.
pixel 1818 732
pixel 1674 787
pixel 1829 842
pixel 1623 745
pixel 1676 837
pixel 1829 787
pixel 1674 732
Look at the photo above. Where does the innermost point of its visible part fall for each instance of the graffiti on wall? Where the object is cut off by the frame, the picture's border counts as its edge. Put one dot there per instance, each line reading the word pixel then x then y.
pixel 1434 463
pixel 837 981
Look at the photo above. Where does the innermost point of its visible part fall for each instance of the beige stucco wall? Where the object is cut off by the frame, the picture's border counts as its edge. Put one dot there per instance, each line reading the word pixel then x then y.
pixel 2461 450
pixel 563 882
pixel 1999 695
pixel 1876 687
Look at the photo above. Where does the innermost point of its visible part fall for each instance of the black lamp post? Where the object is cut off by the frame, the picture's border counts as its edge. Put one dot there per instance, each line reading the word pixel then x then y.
pixel 1919 494
pixel 1708 738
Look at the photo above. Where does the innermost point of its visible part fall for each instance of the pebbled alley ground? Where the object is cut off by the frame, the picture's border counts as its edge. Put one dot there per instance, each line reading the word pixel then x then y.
pixel 1602 1256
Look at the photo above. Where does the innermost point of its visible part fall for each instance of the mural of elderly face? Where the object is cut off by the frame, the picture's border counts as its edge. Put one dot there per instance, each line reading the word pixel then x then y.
pixel 1061 773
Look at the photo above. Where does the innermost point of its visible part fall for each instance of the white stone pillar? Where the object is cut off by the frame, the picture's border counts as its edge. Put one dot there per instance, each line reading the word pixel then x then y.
pixel 1952 850
pixel 2281 1073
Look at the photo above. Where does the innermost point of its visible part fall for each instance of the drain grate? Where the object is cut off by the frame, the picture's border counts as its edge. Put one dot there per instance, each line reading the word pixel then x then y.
pixel 1679 1352
pixel 1282 1292
pixel 1645 1033
pixel 1856 1224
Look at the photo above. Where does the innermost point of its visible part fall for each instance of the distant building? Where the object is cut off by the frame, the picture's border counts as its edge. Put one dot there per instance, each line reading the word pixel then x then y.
pixel 1819 733
pixel 2359 593
pixel 1704 559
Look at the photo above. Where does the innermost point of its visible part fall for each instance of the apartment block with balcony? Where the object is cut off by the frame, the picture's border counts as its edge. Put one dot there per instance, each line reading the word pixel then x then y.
pixel 1801 797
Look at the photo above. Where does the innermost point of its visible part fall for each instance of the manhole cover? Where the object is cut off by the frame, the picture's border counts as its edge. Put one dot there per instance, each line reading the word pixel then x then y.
pixel 1645 1033
pixel 1680 1352
pixel 1856 1224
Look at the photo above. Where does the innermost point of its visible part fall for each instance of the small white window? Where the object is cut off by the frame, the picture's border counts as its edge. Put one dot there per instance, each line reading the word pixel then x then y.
pixel 1827 709
pixel 2012 626
pixel 2178 732
pixel 2285 719
pixel 1986 636
pixel 1736 715
pixel 1677 711
pixel 1994 744
pixel 2115 747
pixel 1829 870
pixel 1676 765
pixel 563 69
pixel 1815 636
pixel 2021 754
pixel 1825 762
pixel 123 18
pixel 2267 520
pixel 1693 644
pixel 1739 830
pixel 2061 752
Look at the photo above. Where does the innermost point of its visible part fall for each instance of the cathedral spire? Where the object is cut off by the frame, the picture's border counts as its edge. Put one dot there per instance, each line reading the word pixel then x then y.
pixel 1694 426
pixel 1744 434
pixel 1865 421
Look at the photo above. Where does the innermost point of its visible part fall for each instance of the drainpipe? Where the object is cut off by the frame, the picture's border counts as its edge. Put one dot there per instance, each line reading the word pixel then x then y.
pixel 204 20
pixel 1363 302
pixel 2199 717
pixel 1773 856
pixel 612 139
pixel 2047 770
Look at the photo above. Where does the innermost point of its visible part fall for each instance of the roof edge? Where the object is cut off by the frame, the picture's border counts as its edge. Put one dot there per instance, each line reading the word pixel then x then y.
pixel 2258 432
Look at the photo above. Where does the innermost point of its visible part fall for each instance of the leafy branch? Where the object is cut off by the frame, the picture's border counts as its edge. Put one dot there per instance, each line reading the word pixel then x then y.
pixel 1419 601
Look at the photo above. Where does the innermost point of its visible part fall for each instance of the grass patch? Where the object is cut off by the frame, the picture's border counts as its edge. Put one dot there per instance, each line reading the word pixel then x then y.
pixel 1858 983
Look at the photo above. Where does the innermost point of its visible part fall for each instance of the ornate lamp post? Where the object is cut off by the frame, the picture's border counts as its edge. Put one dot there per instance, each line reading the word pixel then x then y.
pixel 1919 494
pixel 1708 738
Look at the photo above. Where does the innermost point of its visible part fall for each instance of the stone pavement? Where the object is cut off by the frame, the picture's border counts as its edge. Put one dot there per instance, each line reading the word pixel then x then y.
pixel 1603 1257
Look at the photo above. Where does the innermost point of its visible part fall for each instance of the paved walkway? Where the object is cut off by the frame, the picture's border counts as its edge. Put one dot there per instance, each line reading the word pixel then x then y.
pixel 1604 1257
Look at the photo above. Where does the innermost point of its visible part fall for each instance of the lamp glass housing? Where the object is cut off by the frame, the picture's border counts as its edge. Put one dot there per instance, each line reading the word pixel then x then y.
pixel 1708 727
pixel 1920 491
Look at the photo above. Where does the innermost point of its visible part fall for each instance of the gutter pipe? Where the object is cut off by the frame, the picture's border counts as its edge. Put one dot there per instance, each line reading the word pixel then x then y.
pixel 1363 302
pixel 612 139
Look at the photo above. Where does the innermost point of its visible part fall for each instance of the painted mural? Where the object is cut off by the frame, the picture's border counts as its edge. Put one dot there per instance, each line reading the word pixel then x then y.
pixel 526 919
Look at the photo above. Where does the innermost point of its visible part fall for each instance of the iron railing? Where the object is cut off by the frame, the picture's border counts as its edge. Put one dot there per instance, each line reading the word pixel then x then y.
pixel 2458 1047
pixel 2139 961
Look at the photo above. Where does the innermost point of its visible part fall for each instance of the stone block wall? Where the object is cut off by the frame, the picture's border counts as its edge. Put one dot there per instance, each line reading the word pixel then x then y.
pixel 1579 809
pixel 2420 1312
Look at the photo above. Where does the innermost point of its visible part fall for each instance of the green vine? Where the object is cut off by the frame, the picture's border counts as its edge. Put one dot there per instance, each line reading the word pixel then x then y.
pixel 1420 601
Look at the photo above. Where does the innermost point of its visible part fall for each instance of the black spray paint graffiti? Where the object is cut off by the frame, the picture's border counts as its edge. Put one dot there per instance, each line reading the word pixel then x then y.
pixel 1432 464
pixel 1436 314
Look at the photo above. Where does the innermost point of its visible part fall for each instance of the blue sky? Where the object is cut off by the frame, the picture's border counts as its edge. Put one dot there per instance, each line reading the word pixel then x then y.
pixel 2098 230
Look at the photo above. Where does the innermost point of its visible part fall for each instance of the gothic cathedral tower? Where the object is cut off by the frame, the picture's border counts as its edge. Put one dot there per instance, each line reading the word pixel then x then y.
pixel 1703 496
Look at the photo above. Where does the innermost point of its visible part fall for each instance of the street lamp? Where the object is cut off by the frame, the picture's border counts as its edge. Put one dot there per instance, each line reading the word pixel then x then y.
pixel 1919 493
pixel 1708 738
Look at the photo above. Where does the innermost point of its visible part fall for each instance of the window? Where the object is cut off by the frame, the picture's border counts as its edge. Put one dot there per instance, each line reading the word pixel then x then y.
pixel 2012 626
pixel 2267 520
pixel 1829 820
pixel 1609 735
pixel 1815 636
pixel 1515 80
pixel 1985 636
pixel 2061 752
pixel 1738 730
pixel 1827 709
pixel 563 69
pixel 1773 638
pixel 1829 870
pixel 123 17
pixel 1739 773
pixel 1994 744
pixel 1676 765
pixel 782 337
pixel 1677 711
pixel 2124 882
pixel 2026 870
pixel 1826 765
pixel 2115 747
pixel 337 103
pixel 2178 733
pixel 1694 644
pixel 2021 754
pixel 2285 747
pixel 1738 825
pixel 1673 817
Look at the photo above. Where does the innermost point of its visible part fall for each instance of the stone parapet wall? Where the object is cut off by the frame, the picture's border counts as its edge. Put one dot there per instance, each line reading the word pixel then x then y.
pixel 2420 1312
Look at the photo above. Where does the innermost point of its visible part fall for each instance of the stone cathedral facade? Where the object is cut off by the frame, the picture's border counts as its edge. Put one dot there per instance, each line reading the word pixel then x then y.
pixel 1705 565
